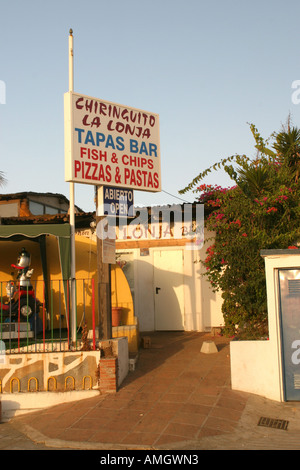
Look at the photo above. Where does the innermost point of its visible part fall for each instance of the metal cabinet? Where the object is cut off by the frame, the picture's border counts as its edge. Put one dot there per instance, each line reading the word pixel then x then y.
pixel 289 303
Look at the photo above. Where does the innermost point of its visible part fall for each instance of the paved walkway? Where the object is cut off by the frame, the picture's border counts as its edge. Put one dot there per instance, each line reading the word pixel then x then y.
pixel 177 398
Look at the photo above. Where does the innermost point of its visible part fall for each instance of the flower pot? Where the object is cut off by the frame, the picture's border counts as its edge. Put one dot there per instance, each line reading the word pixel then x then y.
pixel 116 313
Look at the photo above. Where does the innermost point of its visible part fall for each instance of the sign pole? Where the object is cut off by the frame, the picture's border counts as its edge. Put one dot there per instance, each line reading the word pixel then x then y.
pixel 125 154
pixel 72 212
pixel 104 284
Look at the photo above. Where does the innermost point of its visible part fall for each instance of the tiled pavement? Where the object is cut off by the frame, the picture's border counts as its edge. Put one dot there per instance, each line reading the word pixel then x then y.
pixel 177 398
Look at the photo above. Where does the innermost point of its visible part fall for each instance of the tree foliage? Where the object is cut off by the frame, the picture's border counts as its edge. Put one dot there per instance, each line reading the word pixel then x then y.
pixel 260 211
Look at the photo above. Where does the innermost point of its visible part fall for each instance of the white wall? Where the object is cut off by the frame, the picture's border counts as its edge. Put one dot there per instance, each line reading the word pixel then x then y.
pixel 202 307
pixel 256 366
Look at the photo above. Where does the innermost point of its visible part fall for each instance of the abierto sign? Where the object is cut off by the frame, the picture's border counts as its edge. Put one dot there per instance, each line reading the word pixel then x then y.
pixel 116 202
pixel 111 144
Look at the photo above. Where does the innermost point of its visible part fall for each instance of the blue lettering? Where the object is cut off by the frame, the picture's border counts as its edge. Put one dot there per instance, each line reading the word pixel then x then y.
pixel 89 138
pixel 143 148
pixel 99 138
pixel 80 131
pixel 153 148
pixel 133 146
pixel 120 143
pixel 110 142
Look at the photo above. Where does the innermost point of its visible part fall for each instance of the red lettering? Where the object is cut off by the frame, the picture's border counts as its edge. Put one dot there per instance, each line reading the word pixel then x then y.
pixel 126 174
pixel 94 154
pixel 140 162
pixel 125 159
pixel 102 155
pixel 108 174
pixel 85 120
pixel 77 167
pixel 96 122
pixel 150 182
pixel 87 173
pixel 101 174
pixel 141 178
pixel 95 166
pixel 132 178
pixel 92 171
pixel 77 105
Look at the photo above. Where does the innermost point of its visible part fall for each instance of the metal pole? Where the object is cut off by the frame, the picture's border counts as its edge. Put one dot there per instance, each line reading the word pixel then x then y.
pixel 72 211
pixel 71 63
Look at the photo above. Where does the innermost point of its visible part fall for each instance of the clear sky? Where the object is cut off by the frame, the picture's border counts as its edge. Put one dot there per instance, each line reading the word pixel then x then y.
pixel 208 68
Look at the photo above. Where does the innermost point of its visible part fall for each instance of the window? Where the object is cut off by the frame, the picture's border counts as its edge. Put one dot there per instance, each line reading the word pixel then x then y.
pixel 51 210
pixel 37 208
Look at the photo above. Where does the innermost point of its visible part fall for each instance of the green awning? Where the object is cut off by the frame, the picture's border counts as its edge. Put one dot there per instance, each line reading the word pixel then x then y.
pixel 35 230
pixel 38 232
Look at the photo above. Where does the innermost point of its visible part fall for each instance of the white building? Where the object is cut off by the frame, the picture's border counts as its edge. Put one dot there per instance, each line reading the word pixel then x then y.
pixel 166 277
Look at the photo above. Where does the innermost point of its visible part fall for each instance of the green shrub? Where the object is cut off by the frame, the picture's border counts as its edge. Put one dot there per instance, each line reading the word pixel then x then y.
pixel 261 211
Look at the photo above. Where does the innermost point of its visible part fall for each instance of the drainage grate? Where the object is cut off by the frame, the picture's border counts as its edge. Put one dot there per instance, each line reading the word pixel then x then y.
pixel 273 423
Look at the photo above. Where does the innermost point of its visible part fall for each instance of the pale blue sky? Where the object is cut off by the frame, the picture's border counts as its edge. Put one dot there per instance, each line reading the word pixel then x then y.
pixel 206 67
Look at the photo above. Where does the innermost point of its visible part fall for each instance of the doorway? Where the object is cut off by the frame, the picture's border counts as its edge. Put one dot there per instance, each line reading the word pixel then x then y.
pixel 168 290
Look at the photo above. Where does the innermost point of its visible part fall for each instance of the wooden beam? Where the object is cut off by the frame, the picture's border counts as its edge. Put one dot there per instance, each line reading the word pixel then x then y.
pixel 104 288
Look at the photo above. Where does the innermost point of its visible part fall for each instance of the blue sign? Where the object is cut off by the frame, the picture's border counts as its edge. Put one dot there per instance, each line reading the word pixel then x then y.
pixel 116 202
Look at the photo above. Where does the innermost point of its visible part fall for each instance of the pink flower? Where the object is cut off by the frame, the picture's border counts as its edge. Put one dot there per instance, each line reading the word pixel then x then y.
pixel 244 235
pixel 271 209
pixel 281 198
pixel 237 222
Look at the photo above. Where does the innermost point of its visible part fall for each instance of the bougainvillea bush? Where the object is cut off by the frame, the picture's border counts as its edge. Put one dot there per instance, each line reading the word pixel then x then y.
pixel 260 211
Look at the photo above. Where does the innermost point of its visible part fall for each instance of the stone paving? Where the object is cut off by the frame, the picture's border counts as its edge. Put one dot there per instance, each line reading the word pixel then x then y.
pixel 12 439
pixel 177 398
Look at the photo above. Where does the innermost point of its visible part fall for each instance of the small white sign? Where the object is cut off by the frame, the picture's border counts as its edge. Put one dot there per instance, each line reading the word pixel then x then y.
pixel 109 251
pixel 2 352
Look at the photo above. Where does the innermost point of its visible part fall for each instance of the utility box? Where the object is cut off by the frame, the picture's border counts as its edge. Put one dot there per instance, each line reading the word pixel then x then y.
pixel 289 313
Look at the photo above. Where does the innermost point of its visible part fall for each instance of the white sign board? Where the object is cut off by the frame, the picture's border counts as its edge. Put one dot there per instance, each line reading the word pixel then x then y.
pixel 111 144
pixel 108 251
